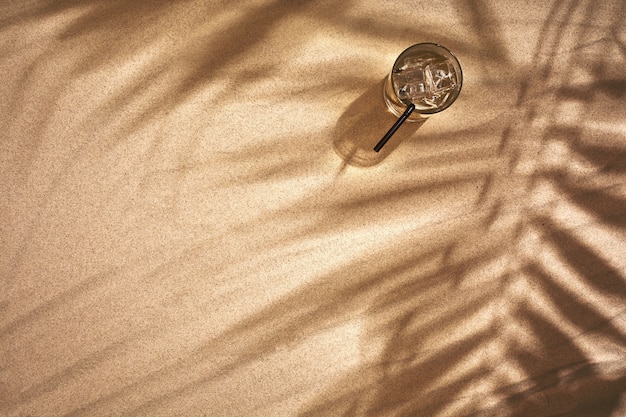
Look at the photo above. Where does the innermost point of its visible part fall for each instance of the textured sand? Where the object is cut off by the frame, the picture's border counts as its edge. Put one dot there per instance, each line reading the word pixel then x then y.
pixel 193 223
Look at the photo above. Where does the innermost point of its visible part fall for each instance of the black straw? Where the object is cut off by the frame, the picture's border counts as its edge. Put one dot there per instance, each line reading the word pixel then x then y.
pixel 395 127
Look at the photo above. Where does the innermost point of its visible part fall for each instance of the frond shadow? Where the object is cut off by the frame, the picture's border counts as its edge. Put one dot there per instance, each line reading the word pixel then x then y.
pixel 438 327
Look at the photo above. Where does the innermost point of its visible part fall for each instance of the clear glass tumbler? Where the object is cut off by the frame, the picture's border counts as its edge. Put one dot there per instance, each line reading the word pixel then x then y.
pixel 427 75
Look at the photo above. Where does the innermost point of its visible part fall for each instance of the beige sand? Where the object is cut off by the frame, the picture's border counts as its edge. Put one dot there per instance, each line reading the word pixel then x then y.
pixel 192 222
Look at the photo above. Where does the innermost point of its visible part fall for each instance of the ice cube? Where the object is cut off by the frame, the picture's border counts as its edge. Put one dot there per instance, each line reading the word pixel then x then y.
pixel 410 82
pixel 441 76
pixel 414 62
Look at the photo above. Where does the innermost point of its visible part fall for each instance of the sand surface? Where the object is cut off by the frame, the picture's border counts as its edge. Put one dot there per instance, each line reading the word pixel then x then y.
pixel 193 223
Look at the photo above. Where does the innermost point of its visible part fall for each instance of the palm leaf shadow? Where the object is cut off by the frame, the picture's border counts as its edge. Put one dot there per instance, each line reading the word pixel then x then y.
pixel 408 380
pixel 559 373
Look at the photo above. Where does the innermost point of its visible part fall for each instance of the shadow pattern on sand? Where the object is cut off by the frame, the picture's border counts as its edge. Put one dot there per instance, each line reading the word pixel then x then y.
pixel 514 342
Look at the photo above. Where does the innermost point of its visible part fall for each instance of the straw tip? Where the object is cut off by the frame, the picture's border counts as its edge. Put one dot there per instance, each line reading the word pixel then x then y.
pixel 395 127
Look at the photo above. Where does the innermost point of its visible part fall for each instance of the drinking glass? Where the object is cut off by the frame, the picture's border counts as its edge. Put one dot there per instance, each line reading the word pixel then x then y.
pixel 426 74
pixel 425 79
